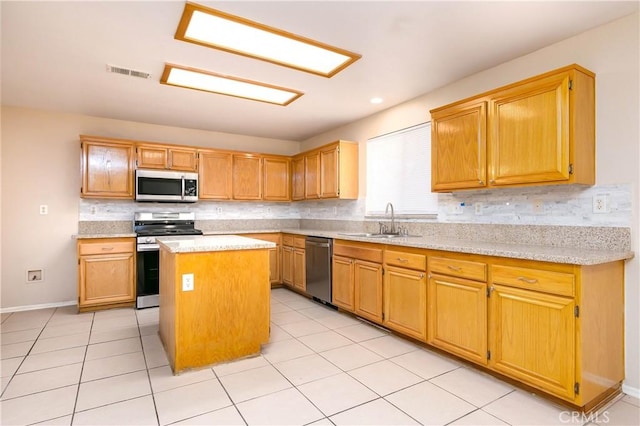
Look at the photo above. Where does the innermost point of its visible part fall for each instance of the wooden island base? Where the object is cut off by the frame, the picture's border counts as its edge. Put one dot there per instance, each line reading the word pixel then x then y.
pixel 225 316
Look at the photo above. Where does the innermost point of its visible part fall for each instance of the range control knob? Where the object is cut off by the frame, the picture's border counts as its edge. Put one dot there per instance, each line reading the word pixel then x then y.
pixel 148 240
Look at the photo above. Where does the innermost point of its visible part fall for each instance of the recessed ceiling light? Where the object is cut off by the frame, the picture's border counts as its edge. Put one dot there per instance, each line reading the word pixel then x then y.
pixel 376 100
pixel 230 33
pixel 191 78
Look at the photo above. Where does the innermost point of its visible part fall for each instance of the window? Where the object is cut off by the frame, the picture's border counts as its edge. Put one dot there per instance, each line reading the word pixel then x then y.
pixel 399 172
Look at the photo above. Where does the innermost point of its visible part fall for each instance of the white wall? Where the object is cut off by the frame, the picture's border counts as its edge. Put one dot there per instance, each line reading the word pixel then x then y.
pixel 40 165
pixel 612 52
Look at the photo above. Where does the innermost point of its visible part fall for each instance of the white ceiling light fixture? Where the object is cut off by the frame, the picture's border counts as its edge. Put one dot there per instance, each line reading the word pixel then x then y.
pixel 376 100
pixel 213 28
pixel 191 78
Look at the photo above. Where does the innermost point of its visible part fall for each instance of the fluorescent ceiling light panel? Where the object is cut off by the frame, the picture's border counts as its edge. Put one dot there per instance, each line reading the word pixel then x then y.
pixel 191 78
pixel 219 30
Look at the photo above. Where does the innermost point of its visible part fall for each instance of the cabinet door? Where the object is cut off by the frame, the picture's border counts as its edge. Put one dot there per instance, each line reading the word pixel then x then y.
pixel 287 265
pixel 405 296
pixel 312 175
pixel 215 173
pixel 342 285
pixel 107 169
pixel 276 179
pixel 106 279
pixel 152 157
pixel 459 148
pixel 297 178
pixel 183 159
pixel 299 271
pixel 368 290
pixel 533 338
pixel 457 316
pixel 329 177
pixel 247 177
pixel 529 133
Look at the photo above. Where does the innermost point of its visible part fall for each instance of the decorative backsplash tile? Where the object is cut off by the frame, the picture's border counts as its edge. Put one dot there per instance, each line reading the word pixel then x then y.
pixel 549 205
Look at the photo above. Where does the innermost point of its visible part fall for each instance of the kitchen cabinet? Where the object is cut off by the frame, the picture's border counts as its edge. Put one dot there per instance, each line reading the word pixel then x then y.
pixel 312 175
pixel 293 261
pixel 405 293
pixel 558 328
pixel 171 157
pixel 457 306
pixel 297 178
pixel 274 254
pixel 107 168
pixel 276 179
pixel 331 171
pixel 106 273
pixel 357 279
pixel 247 177
pixel 215 170
pixel 538 131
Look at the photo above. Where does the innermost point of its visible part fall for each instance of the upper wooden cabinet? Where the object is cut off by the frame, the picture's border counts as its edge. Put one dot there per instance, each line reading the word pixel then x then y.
pixel 155 156
pixel 107 167
pixel 331 171
pixel 276 179
pixel 247 177
pixel 297 178
pixel 215 175
pixel 537 131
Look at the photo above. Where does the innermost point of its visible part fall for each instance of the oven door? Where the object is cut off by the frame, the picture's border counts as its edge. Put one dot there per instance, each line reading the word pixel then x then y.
pixel 148 276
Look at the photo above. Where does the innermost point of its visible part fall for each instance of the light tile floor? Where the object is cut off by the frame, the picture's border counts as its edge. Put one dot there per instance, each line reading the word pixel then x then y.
pixel 320 367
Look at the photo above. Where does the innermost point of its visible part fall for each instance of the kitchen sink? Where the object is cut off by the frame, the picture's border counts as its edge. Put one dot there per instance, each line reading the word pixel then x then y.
pixel 371 235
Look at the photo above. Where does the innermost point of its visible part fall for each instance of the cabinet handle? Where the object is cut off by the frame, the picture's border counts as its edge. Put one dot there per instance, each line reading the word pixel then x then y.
pixel 454 268
pixel 421 275
pixel 107 248
pixel 402 260
pixel 528 280
pixel 480 182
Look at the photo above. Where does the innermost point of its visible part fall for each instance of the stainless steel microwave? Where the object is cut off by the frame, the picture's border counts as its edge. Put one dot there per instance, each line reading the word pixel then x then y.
pixel 166 186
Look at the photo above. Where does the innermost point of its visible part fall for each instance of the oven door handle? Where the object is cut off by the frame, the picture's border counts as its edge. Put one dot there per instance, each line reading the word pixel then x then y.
pixel 148 247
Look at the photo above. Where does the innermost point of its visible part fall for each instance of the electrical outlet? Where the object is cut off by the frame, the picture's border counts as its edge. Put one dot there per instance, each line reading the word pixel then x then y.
pixel 187 282
pixel 478 207
pixel 218 210
pixel 35 275
pixel 93 210
pixel 44 209
pixel 601 203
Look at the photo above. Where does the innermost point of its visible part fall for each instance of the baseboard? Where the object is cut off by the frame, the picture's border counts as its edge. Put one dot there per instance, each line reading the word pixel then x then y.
pixel 634 392
pixel 34 307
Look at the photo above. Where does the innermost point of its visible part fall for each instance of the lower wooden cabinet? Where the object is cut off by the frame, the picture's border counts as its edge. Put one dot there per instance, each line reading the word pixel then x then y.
pixel 294 261
pixel 357 279
pixel 457 306
pixel 534 338
pixel 405 301
pixel 106 273
pixel 274 254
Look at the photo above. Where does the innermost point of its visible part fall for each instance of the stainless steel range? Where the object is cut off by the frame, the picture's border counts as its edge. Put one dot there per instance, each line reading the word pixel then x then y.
pixel 147 227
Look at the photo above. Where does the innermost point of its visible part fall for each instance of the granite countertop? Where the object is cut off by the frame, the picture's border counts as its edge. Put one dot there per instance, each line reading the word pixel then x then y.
pixel 516 251
pixel 544 253
pixel 203 243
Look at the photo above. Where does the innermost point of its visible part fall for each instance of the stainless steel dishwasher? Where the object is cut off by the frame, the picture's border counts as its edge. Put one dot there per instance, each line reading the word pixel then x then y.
pixel 318 252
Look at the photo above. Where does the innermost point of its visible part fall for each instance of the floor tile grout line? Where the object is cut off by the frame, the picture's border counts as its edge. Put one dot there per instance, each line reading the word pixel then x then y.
pixel 86 349
pixel 144 356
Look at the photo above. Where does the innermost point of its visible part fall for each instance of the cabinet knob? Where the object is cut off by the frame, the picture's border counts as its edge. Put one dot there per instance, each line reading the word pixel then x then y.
pixel 480 182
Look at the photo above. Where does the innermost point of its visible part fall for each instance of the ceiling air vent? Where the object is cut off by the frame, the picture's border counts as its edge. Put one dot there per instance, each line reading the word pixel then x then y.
pixel 126 71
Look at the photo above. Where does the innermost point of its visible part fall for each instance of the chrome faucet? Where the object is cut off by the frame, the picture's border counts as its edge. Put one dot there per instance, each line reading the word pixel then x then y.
pixel 392 230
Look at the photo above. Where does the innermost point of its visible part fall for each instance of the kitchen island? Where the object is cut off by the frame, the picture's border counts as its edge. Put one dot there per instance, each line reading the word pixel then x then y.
pixel 214 298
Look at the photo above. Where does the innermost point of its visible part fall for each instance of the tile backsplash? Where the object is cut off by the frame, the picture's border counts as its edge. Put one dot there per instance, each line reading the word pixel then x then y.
pixel 549 205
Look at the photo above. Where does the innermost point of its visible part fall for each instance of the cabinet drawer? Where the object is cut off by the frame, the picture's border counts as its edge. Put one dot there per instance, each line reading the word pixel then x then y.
pixel 298 242
pixel 106 247
pixel 287 240
pixel 356 252
pixel 405 260
pixel 534 279
pixel 458 268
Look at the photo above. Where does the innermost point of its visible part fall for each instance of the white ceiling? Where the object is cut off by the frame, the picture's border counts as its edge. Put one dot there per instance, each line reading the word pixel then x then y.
pixel 54 56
